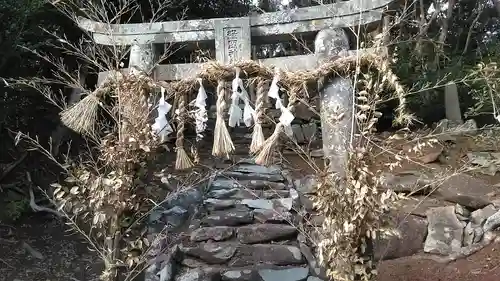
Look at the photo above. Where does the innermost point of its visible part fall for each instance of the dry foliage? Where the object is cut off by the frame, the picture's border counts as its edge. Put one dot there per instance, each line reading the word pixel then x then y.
pixel 353 206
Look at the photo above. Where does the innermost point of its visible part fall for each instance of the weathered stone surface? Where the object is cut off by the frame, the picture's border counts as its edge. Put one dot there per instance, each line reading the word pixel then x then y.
pixel 314 278
pixel 191 275
pixel 212 253
pixel 240 275
pixel 225 183
pixel 445 232
pixel 311 259
pixel 310 131
pixel 223 193
pixel 257 169
pixel 256 177
pixel 478 217
pixel 230 217
pixel 336 101
pixel 219 204
pixel 298 134
pixel 306 185
pixel 419 205
pixel 269 204
pixel 492 223
pixel 260 233
pixel 289 274
pixel 267 254
pixel 462 211
pixel 408 181
pixel 306 202
pixel 468 191
pixel 217 233
pixel 238 193
pixel 302 111
pixel 468 235
pixel 412 230
pixel 424 155
pixel 175 216
pixel 193 263
pixel 187 199
pixel 272 216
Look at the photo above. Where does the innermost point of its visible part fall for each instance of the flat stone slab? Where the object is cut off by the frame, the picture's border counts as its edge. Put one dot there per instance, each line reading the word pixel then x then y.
pixel 240 193
pixel 271 254
pixel 217 233
pixel 245 176
pixel 269 204
pixel 257 169
pixel 259 184
pixel 231 217
pixel 419 205
pixel 211 253
pixel 467 191
pixel 260 233
pixel 219 204
pixel 272 216
pixel 445 231
pixel 289 274
pixel 282 274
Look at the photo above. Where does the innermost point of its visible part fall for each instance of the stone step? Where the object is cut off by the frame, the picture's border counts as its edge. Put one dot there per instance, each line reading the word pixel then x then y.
pixel 253 176
pixel 231 217
pixel 266 204
pixel 252 184
pixel 243 193
pixel 247 234
pixel 265 274
pixel 239 255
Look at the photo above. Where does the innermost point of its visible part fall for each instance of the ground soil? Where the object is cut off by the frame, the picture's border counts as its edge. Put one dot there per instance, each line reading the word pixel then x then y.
pixel 53 253
pixel 481 266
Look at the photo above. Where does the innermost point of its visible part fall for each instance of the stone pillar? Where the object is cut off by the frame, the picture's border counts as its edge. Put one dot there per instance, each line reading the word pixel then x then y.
pixel 452 104
pixel 142 58
pixel 336 99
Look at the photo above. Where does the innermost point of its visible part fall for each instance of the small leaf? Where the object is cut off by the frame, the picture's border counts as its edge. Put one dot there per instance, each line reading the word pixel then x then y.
pixel 74 190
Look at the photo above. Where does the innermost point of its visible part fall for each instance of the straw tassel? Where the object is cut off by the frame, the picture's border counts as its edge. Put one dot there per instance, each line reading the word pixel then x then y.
pixel 223 145
pixel 258 135
pixel 82 116
pixel 265 155
pixel 182 160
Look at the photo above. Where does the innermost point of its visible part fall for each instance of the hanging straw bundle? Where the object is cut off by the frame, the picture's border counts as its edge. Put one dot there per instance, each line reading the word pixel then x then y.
pixel 82 116
pixel 223 145
pixel 265 155
pixel 182 160
pixel 258 135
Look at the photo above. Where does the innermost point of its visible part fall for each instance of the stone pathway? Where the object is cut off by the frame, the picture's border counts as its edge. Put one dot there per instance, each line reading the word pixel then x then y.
pixel 246 229
pixel 253 223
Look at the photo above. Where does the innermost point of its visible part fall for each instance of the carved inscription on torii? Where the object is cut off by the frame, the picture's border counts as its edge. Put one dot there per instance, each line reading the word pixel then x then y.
pixel 232 40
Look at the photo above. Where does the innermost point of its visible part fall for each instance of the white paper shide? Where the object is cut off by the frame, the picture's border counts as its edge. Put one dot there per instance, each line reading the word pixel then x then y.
pixel 161 127
pixel 200 113
pixel 286 116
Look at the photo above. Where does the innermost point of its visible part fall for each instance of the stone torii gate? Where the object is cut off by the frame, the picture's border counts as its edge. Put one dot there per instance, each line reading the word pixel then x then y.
pixel 233 42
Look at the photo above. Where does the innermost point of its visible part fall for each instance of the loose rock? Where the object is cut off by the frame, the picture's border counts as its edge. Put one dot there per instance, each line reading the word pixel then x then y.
pixel 445 231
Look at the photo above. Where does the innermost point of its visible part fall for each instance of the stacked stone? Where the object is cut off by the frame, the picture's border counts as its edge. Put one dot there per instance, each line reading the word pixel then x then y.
pixel 247 229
